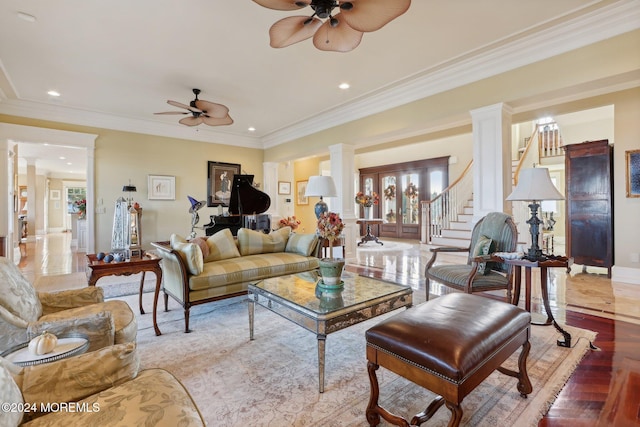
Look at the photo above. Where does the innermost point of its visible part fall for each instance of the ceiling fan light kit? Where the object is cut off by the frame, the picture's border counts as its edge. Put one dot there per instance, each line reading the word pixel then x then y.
pixel 341 32
pixel 209 113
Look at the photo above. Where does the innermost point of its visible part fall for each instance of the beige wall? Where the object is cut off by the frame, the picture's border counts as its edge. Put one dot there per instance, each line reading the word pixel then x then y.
pixel 305 213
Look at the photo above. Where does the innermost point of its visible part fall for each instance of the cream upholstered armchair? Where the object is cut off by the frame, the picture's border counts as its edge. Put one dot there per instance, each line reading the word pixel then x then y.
pixel 106 390
pixel 496 232
pixel 25 313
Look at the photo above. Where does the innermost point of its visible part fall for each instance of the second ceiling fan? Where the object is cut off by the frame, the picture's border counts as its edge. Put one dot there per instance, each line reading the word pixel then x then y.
pixel 341 32
pixel 209 113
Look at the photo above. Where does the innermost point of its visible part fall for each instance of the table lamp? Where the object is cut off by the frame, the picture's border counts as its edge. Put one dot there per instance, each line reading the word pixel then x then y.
pixel 129 189
pixel 322 186
pixel 534 185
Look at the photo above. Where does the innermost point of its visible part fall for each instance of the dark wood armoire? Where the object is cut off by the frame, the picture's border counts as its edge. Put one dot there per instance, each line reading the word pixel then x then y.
pixel 589 203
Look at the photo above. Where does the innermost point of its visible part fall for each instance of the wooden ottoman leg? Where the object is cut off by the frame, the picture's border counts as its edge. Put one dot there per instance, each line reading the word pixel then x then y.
pixel 456 414
pixel 524 383
pixel 374 411
pixel 433 407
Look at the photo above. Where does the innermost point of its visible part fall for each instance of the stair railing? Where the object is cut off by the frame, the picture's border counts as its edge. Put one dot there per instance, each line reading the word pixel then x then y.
pixel 439 212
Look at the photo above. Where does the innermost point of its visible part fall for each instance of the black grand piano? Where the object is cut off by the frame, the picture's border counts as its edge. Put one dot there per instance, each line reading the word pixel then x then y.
pixel 246 207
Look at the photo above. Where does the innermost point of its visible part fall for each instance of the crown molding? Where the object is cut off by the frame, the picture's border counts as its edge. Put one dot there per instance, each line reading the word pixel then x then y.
pixel 532 46
pixel 590 28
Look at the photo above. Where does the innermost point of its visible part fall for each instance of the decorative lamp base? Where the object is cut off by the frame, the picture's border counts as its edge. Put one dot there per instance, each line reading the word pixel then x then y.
pixel 320 208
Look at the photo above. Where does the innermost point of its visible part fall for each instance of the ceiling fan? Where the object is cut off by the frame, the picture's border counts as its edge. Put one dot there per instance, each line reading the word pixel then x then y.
pixel 201 111
pixel 341 32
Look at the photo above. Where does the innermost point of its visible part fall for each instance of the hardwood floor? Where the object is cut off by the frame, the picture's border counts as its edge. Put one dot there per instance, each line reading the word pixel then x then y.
pixel 604 390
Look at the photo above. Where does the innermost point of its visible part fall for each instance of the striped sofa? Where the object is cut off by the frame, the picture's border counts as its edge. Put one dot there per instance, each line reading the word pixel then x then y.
pixel 221 266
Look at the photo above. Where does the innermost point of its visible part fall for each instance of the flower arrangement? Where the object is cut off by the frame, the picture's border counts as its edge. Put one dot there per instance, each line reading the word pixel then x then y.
pixel 330 226
pixel 367 200
pixel 411 191
pixel 390 192
pixel 290 221
pixel 81 205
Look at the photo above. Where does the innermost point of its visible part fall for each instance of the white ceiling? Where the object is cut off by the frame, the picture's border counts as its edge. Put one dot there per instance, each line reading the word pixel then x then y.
pixel 117 62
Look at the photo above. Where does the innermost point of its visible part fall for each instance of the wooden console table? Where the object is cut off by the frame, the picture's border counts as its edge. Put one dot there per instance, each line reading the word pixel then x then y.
pixel 149 262
pixel 369 237
pixel 556 261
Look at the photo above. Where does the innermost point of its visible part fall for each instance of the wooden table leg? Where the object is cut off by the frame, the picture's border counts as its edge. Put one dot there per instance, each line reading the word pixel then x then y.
pixel 140 297
pixel 547 308
pixel 517 278
pixel 527 289
pixel 158 273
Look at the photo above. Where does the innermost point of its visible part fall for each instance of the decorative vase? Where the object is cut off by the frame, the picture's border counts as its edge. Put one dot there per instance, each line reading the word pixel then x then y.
pixel 367 212
pixel 331 272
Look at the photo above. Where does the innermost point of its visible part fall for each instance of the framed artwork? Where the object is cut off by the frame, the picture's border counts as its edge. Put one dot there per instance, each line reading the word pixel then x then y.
pixel 301 188
pixel 633 173
pixel 54 195
pixel 284 187
pixel 161 187
pixel 219 180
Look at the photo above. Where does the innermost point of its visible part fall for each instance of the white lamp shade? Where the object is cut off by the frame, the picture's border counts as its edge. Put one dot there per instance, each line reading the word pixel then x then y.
pixel 535 184
pixel 322 186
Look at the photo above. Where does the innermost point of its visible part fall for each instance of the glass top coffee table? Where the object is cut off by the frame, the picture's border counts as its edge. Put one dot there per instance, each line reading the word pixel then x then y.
pixel 298 299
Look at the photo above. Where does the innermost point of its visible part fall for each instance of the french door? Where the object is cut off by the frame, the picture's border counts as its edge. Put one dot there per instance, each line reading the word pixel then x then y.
pixel 401 188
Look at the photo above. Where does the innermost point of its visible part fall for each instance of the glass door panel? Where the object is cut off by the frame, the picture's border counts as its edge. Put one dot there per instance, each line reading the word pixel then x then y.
pixel 388 199
pixel 410 198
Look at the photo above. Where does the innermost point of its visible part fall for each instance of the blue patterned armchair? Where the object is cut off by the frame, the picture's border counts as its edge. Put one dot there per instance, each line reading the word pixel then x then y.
pixel 496 232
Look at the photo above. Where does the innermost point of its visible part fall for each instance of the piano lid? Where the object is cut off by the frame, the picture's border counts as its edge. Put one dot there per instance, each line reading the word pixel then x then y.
pixel 245 198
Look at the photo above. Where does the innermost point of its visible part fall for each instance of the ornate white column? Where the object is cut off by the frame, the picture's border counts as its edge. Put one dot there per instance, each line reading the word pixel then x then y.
pixel 491 159
pixel 342 165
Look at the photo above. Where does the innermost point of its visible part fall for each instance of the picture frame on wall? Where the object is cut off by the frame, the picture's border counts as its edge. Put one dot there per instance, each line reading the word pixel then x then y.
pixel 284 187
pixel 219 181
pixel 301 188
pixel 633 173
pixel 161 187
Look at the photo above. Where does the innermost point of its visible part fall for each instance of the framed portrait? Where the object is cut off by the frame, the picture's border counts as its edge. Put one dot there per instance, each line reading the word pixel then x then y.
pixel 301 188
pixel 284 187
pixel 633 173
pixel 161 187
pixel 219 180
pixel 54 195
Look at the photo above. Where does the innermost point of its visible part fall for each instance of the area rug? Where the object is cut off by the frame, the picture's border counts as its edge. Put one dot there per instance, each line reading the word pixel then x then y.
pixel 273 380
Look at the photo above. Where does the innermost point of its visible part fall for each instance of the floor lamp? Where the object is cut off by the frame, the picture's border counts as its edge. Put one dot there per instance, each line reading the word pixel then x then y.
pixel 322 186
pixel 534 185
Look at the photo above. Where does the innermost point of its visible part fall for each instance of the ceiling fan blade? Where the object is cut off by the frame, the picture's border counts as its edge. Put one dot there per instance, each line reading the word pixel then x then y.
pixel 212 109
pixel 172 112
pixel 292 30
pixel 342 38
pixel 371 15
pixel 214 121
pixel 191 121
pixel 282 4
pixel 185 106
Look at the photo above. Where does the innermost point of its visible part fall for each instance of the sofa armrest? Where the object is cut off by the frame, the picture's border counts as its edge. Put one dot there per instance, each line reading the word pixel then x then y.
pixel 175 274
pixel 74 378
pixel 63 300
pixel 99 329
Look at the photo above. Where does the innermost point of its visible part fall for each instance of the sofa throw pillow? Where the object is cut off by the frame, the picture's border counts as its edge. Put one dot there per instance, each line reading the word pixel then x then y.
pixel 18 296
pixel 189 252
pixel 482 247
pixel 302 244
pixel 221 245
pixel 204 247
pixel 9 394
pixel 253 242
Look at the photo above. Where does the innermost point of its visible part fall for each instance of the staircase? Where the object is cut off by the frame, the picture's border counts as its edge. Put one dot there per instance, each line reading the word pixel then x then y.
pixel 459 232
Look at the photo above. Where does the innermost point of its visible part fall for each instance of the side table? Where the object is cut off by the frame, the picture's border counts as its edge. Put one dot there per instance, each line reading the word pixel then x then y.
pixel 556 261
pixel 148 262
pixel 68 345
pixel 369 237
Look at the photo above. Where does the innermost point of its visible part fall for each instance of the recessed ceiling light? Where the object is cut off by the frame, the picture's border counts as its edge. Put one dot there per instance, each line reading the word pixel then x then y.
pixel 26 17
pixel 54 93
pixel 251 129
pixel 62 157
pixel 344 86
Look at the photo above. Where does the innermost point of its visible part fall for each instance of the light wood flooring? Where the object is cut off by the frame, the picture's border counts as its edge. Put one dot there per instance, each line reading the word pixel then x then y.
pixel 603 391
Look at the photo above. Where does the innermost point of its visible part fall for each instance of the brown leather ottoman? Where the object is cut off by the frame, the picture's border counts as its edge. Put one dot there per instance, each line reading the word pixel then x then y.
pixel 448 345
